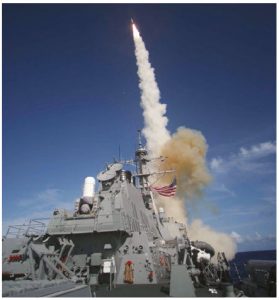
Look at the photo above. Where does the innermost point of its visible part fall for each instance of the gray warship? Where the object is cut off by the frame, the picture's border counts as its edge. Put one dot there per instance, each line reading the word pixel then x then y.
pixel 114 243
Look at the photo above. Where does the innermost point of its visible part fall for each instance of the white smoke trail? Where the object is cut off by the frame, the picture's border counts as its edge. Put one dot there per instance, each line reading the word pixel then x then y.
pixel 155 121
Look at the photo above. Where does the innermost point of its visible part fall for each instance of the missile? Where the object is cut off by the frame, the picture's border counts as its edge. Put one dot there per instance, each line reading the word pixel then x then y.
pixel 135 30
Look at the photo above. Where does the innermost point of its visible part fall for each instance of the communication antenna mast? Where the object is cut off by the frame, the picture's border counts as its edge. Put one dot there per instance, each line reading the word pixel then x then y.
pixel 139 138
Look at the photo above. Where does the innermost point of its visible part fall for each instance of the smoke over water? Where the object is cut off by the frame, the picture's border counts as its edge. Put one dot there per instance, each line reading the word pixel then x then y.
pixel 185 152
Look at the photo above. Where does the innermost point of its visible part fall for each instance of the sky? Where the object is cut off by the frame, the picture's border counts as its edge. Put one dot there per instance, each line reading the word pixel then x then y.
pixel 71 101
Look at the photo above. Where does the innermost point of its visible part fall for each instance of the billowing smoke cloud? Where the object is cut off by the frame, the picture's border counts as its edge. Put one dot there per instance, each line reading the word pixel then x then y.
pixel 221 242
pixel 185 151
pixel 174 207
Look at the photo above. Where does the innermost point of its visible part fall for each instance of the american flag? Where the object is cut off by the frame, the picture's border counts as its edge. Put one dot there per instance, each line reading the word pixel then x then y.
pixel 166 191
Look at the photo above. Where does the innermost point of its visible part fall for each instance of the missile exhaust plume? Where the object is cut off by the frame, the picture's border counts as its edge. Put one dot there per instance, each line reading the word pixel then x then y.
pixel 155 121
pixel 185 151
pixel 221 242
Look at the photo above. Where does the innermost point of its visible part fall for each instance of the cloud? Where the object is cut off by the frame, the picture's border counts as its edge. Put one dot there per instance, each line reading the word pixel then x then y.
pixel 237 237
pixel 259 150
pixel 243 211
pixel 42 198
pixel 248 224
pixel 255 237
pixel 46 199
pixel 37 206
pixel 216 164
pixel 246 216
pixel 220 191
pixel 246 160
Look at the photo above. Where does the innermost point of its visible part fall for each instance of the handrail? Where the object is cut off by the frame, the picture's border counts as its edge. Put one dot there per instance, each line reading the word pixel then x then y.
pixel 34 227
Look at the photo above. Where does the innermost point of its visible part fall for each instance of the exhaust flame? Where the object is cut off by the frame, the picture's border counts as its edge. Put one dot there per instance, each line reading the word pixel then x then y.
pixel 185 151
pixel 135 32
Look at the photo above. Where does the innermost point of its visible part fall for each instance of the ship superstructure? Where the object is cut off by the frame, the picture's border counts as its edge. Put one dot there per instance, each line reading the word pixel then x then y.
pixel 115 243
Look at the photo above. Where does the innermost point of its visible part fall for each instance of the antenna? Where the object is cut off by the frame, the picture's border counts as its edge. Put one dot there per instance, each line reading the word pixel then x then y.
pixel 139 137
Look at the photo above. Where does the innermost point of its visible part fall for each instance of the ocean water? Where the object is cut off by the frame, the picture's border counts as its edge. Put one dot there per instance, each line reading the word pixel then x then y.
pixel 241 259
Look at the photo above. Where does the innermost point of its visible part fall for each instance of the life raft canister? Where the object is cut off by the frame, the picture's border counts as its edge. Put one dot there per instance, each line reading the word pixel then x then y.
pixel 129 272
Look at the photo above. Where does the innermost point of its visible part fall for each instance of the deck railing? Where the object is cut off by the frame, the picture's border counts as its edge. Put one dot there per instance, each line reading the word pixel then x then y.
pixel 34 227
